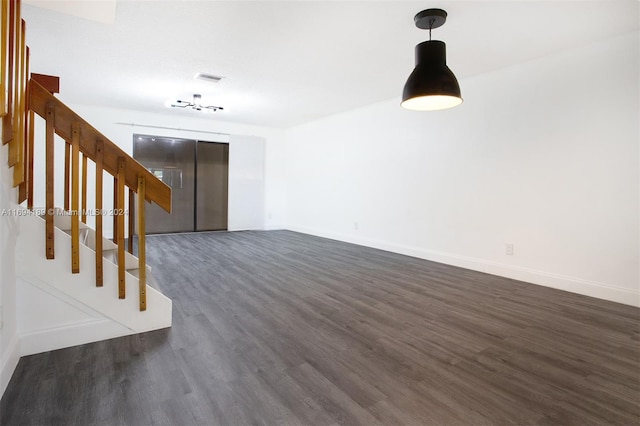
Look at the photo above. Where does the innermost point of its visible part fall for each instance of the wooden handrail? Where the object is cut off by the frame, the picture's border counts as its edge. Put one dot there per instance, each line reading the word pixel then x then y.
pixel 156 190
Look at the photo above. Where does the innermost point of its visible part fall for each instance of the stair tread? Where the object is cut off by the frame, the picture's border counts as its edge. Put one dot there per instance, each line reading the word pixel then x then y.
pixel 110 249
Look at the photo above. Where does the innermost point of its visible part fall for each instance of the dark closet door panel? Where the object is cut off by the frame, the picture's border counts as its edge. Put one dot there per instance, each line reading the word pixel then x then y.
pixel 212 186
pixel 171 160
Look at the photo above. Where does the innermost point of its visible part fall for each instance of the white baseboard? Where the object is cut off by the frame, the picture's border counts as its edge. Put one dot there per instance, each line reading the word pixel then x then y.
pixel 547 279
pixel 89 331
pixel 10 359
pixel 274 227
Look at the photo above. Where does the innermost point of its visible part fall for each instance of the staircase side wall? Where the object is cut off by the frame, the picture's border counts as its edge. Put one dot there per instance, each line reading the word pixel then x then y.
pixel 61 309
pixel 51 320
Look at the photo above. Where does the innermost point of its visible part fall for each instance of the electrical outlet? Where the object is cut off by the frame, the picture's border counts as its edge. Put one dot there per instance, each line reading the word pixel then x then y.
pixel 508 249
pixel 355 225
pixel 1 317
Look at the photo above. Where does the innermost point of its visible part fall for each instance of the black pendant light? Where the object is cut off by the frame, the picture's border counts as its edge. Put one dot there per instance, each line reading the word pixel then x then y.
pixel 431 85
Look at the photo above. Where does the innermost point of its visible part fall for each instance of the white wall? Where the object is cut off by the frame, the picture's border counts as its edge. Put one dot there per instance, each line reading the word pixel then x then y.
pixel 9 229
pixel 275 172
pixel 270 207
pixel 543 155
pixel 246 183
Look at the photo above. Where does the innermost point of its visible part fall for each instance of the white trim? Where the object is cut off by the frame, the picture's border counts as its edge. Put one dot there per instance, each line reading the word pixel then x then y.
pixel 274 227
pixel 9 363
pixel 544 278
pixel 67 335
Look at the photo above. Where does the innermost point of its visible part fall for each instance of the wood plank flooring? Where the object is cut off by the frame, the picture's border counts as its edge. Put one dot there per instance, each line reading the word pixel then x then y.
pixel 283 328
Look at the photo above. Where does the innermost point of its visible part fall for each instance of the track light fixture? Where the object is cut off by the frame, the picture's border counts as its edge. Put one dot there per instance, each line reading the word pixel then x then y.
pixel 431 85
pixel 195 104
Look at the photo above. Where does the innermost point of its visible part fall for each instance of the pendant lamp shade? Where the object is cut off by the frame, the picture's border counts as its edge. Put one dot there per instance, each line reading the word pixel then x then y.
pixel 431 86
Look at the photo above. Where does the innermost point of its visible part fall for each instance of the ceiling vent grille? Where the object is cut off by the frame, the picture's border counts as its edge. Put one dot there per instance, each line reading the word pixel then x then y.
pixel 207 77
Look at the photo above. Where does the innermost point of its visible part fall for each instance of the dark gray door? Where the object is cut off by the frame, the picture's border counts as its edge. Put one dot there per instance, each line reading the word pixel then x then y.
pixel 198 174
pixel 212 183
pixel 172 161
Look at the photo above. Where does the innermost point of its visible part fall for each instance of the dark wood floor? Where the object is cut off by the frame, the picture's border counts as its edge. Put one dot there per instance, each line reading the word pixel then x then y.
pixel 283 328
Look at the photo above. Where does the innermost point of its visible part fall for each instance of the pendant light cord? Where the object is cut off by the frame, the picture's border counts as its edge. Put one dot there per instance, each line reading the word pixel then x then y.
pixel 431 21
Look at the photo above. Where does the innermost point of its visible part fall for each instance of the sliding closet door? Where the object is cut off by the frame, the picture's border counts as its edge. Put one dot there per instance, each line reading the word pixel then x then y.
pixel 172 161
pixel 212 183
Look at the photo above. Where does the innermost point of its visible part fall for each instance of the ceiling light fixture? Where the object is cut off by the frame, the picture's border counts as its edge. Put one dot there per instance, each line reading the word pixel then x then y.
pixel 431 86
pixel 195 104
pixel 210 78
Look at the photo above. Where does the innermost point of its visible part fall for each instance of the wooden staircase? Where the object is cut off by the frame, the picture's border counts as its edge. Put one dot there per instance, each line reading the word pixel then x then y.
pixel 29 97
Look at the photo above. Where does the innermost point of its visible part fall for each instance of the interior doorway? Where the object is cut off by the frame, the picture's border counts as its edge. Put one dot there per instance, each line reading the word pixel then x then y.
pixel 198 174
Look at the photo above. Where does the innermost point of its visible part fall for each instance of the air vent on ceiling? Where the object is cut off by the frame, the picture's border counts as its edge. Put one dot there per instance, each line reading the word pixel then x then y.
pixel 207 77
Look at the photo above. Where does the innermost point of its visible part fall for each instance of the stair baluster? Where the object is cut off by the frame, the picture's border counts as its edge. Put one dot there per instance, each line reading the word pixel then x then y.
pixel 3 54
pixel 30 173
pixel 132 219
pixel 16 149
pixel 115 203
pixel 75 198
pixel 7 119
pixel 142 256
pixel 99 175
pixel 67 177
pixel 84 189
pixel 119 213
pixel 49 203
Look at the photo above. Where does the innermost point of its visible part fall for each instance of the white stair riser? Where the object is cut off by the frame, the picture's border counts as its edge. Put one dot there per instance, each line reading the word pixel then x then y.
pixel 32 266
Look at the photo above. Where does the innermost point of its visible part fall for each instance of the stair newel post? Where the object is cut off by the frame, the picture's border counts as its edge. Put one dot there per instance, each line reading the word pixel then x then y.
pixel 49 150
pixel 84 189
pixel 131 214
pixel 75 198
pixel 142 256
pixel 119 214
pixel 99 255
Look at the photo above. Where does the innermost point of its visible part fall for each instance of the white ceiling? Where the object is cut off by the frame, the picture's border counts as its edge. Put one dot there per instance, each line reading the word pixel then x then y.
pixel 285 63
